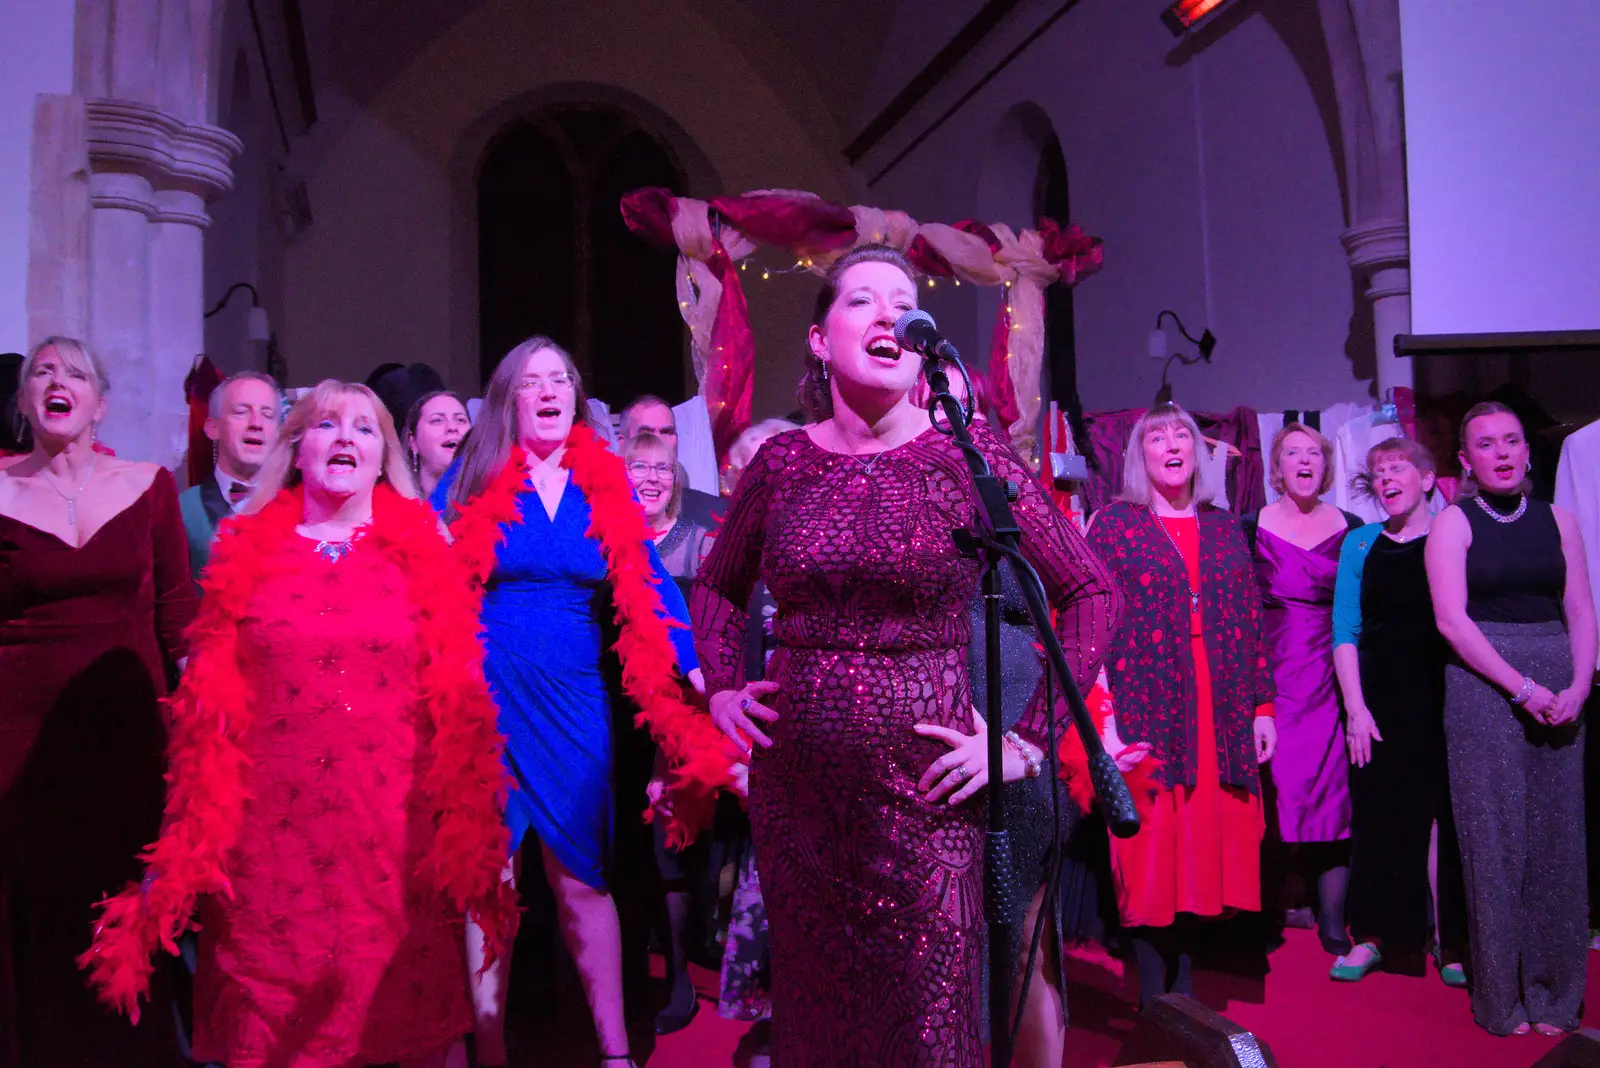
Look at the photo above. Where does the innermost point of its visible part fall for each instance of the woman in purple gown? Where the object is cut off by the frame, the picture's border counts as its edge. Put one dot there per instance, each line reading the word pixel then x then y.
pixel 1296 549
pixel 866 746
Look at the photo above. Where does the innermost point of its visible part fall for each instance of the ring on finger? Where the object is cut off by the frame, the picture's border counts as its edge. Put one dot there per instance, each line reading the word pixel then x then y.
pixel 960 774
pixel 744 704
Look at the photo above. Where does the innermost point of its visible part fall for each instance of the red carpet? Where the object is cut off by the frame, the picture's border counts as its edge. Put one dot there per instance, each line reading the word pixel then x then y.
pixel 1385 1021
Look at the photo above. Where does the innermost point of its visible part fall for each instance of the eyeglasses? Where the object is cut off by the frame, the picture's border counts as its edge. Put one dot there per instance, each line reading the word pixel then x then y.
pixel 642 471
pixel 560 382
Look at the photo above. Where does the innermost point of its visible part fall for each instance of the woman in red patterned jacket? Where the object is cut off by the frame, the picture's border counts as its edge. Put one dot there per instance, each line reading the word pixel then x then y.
pixel 1191 688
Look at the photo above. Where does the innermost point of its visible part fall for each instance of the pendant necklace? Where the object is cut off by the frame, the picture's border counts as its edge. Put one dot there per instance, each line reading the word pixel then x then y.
pixel 72 501
pixel 1183 565
pixel 334 551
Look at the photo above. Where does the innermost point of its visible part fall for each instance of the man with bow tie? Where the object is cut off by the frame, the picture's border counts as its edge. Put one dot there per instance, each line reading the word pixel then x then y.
pixel 242 425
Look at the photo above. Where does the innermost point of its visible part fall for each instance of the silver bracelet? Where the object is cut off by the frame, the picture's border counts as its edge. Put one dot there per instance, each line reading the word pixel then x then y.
pixel 1524 693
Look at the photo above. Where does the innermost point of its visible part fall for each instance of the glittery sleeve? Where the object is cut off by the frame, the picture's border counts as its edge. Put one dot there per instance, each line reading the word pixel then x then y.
pixel 1083 595
pixel 720 597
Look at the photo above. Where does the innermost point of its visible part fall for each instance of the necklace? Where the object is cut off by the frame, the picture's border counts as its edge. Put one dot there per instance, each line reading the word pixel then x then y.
pixel 335 551
pixel 1194 594
pixel 1406 539
pixel 1488 509
pixel 72 501
pixel 866 465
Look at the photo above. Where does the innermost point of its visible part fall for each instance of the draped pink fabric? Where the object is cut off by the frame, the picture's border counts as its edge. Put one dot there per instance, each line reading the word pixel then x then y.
pixel 1001 393
pixel 731 373
pixel 725 229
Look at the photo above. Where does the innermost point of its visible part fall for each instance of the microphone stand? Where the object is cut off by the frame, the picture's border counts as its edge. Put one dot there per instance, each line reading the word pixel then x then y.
pixel 997 538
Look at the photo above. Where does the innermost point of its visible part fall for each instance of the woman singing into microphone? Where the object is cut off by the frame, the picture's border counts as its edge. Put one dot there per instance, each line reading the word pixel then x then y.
pixel 865 745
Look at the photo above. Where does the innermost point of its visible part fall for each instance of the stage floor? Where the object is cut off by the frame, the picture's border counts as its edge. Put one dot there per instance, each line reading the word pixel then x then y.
pixel 1309 1021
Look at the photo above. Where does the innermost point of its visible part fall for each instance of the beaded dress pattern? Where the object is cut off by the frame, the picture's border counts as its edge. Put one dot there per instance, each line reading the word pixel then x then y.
pixel 874 895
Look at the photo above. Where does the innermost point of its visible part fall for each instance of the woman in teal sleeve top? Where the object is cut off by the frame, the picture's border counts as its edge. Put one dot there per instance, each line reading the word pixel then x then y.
pixel 1390 661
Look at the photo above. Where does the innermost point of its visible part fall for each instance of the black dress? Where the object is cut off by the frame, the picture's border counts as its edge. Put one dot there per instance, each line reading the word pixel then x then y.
pixel 1031 805
pixel 1405 787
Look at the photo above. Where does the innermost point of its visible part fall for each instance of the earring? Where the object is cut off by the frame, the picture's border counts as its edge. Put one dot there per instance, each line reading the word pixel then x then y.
pixel 213 454
pixel 824 364
pixel 94 434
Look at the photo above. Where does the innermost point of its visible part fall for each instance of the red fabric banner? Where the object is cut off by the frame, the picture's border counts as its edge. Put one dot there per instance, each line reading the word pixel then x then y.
pixel 730 372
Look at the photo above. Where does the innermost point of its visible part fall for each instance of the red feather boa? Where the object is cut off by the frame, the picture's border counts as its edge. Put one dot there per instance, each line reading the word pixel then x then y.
pixel 1075 761
pixel 211 713
pixel 694 748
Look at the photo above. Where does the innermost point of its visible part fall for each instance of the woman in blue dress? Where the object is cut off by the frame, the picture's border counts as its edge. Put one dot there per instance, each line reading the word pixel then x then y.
pixel 546 518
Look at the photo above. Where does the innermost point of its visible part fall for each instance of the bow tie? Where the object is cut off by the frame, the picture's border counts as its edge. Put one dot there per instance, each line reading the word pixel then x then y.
pixel 238 491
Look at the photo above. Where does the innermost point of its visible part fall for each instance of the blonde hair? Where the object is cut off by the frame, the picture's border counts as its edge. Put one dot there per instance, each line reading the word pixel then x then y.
pixel 77 355
pixel 745 446
pixel 638 443
pixel 1275 477
pixel 278 470
pixel 1136 488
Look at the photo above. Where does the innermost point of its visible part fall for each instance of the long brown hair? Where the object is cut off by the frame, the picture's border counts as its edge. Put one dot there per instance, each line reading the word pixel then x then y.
pixel 813 395
pixel 278 470
pixel 485 451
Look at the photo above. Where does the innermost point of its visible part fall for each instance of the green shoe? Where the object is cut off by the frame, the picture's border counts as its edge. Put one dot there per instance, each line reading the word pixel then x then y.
pixel 1453 975
pixel 1345 972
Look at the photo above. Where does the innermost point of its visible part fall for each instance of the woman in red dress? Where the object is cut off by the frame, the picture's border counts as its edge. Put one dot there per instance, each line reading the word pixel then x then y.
pixel 1191 686
pixel 335 770
pixel 94 596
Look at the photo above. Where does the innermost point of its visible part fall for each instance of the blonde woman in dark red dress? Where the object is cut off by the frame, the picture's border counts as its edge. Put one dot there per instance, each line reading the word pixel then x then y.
pixel 865 746
pixel 94 597
pixel 335 769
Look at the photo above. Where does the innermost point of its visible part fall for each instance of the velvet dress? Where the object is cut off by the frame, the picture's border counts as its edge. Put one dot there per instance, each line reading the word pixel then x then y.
pixel 543 607
pixel 85 638
pixel 874 895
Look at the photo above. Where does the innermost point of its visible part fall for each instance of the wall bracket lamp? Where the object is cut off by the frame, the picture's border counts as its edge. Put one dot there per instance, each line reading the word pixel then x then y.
pixel 260 326
pixel 1204 345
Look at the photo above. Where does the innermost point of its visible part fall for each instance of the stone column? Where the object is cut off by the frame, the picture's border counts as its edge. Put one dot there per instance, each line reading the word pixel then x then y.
pixel 153 174
pixel 1380 255
pixel 119 272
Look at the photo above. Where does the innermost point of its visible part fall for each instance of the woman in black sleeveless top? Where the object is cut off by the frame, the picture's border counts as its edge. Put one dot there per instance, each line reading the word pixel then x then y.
pixel 1511 592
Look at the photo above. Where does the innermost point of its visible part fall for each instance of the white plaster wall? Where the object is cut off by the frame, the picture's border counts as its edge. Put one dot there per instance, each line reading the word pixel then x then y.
pixel 43 65
pixel 1233 222
pixel 380 274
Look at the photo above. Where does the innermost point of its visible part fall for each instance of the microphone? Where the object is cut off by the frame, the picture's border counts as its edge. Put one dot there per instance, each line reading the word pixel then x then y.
pixel 916 331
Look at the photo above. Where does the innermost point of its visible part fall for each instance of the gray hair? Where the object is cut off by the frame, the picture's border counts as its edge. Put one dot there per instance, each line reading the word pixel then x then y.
pixel 214 405
pixel 1136 488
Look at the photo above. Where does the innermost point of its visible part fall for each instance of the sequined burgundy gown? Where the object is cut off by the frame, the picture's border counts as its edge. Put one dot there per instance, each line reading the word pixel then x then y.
pixel 874 895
